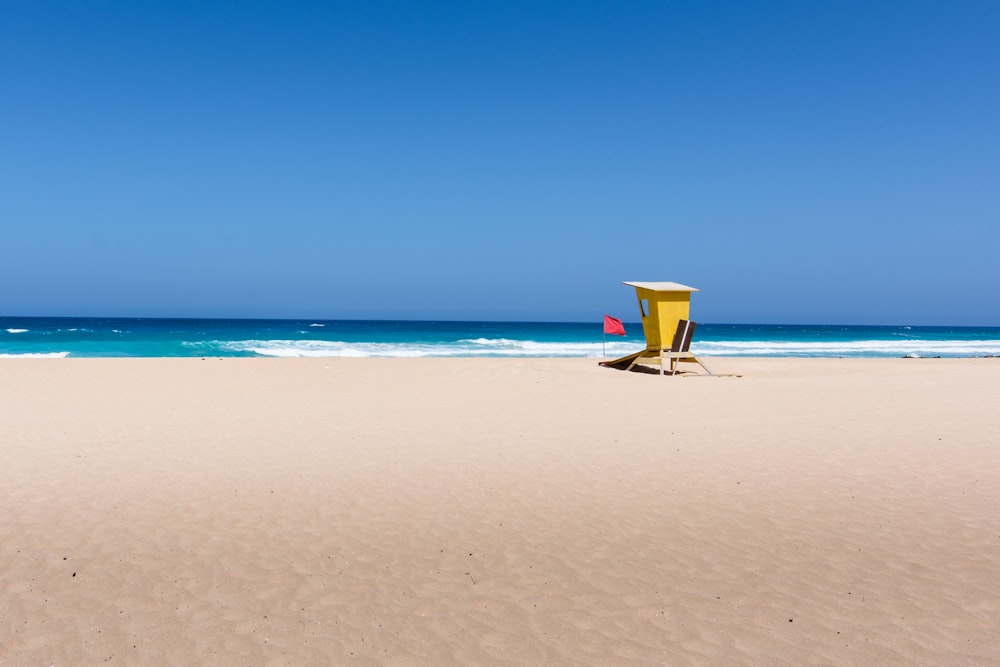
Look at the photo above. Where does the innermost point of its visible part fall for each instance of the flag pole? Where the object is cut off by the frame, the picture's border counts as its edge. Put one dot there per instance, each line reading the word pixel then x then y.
pixel 614 325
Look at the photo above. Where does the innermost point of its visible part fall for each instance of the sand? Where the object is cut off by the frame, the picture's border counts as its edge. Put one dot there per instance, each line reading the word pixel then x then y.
pixel 498 512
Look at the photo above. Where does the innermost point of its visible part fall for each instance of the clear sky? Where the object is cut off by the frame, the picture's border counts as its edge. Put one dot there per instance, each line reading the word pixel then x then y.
pixel 800 162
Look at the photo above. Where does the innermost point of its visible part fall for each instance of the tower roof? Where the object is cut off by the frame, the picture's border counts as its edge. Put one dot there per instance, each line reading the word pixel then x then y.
pixel 662 287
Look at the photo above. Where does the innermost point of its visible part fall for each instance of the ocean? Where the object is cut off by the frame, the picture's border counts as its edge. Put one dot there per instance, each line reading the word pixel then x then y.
pixel 150 337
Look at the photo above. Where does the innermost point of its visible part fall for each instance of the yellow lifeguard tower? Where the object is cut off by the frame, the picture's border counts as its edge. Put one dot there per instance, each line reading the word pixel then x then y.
pixel 663 307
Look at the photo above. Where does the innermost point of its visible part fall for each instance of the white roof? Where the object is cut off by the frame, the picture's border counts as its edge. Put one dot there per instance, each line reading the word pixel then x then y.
pixel 662 287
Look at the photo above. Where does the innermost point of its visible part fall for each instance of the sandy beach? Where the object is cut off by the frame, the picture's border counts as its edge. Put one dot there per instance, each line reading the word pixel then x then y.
pixel 498 512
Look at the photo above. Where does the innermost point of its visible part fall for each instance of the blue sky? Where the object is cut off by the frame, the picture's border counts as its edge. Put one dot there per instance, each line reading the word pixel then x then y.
pixel 800 162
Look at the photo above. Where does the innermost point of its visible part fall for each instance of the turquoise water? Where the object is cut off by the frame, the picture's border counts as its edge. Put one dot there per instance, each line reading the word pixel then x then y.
pixel 122 337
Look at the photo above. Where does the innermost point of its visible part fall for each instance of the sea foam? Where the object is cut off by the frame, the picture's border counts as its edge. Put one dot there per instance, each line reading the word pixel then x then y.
pixel 35 355
pixel 861 348
pixel 476 347
pixel 507 347
pixel 17 331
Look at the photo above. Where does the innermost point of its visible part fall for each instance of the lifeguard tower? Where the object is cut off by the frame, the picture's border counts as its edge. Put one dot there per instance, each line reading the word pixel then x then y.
pixel 663 306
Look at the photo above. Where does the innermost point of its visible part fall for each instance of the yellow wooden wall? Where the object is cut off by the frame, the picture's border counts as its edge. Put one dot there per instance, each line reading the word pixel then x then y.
pixel 665 310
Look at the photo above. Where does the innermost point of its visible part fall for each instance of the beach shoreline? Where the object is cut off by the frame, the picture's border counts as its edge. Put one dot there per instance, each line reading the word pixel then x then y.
pixel 499 511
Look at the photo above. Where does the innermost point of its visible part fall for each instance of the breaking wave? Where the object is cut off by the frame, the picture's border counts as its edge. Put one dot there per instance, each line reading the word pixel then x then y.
pixel 506 347
pixel 35 355
pixel 478 347
pixel 858 348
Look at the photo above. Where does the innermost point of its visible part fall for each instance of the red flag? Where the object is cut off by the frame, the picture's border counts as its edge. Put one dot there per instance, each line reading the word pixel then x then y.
pixel 612 325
